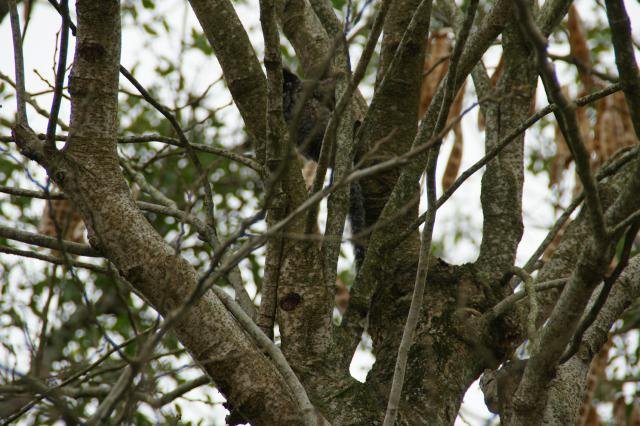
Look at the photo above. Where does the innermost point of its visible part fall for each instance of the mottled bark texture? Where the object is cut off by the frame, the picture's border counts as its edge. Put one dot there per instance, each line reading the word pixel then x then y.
pixel 457 337
pixel 241 68
pixel 87 170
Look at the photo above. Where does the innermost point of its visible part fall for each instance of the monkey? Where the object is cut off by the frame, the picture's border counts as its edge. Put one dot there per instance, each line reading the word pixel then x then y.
pixel 312 122
pixel 314 115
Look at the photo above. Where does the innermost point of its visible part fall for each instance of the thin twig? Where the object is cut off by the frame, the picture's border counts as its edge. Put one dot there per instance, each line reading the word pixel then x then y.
pixel 510 138
pixel 36 362
pixel 567 121
pixel 625 58
pixel 18 58
pixel 509 302
pixel 31 193
pixel 242 159
pixel 632 218
pixel 427 232
pixel 581 65
pixel 534 307
pixel 48 242
pixel 181 390
pixel 29 98
pixel 265 344
pixel 62 67
pixel 51 259
pixel 340 203
pixel 184 142
pixel 591 316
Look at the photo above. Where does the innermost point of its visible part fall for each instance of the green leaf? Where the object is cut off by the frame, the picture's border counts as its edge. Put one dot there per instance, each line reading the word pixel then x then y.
pixel 200 42
pixel 338 4
pixel 147 28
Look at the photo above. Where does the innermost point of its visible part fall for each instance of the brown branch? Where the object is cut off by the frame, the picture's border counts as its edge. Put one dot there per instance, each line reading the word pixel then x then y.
pixel 29 99
pixel 625 58
pixel 591 316
pixel 240 65
pixel 267 345
pixel 48 242
pixel 181 390
pixel 510 301
pixel 339 203
pixel 18 58
pixel 567 120
pixel 52 259
pixel 427 232
pixel 31 193
pixel 242 159
pixel 62 68
pixel 584 67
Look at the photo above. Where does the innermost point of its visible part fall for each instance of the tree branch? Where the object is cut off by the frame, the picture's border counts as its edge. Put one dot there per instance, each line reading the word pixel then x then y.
pixel 625 58
pixel 48 242
pixel 427 232
pixel 239 63
pixel 52 259
pixel 265 344
pixel 62 68
pixel 19 63
pixel 566 120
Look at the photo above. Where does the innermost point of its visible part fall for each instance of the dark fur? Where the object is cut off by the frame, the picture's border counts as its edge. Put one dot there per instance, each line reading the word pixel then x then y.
pixel 308 135
pixel 314 115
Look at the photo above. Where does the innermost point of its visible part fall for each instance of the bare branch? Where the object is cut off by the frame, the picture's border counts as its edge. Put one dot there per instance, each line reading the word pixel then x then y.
pixel 534 308
pixel 31 193
pixel 242 159
pixel 566 120
pixel 109 402
pixel 427 232
pixel 48 242
pixel 62 67
pixel 52 259
pixel 509 302
pixel 29 98
pixel 625 58
pixel 19 63
pixel 181 390
pixel 339 202
pixel 591 316
pixel 265 344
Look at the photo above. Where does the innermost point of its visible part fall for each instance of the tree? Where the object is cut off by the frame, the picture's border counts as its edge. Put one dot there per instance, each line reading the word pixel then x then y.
pixel 171 215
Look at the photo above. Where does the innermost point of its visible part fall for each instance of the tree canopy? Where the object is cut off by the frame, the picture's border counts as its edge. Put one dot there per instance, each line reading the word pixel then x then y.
pixel 211 211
